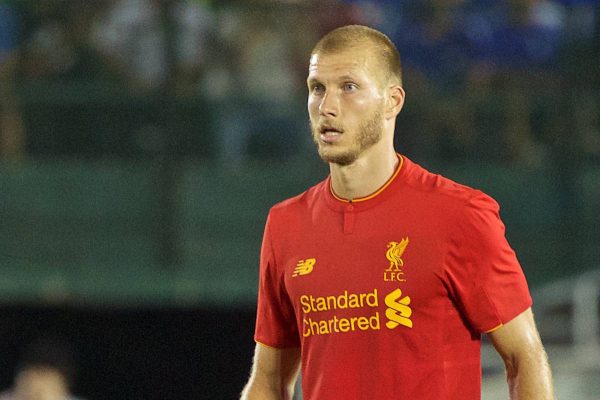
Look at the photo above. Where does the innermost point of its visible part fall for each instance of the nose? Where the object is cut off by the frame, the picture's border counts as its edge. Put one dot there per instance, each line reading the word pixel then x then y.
pixel 329 105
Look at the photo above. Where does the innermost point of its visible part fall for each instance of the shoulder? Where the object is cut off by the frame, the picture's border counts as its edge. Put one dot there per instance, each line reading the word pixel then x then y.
pixel 291 216
pixel 298 204
pixel 440 189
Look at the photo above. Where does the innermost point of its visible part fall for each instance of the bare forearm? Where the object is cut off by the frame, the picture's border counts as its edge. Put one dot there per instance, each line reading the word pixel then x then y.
pixel 274 374
pixel 256 391
pixel 530 378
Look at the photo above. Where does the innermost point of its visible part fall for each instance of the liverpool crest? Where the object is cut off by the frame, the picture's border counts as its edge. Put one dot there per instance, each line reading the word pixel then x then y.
pixel 394 253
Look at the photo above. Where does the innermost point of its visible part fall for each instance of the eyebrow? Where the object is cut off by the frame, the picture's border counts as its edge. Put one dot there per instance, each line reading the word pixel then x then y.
pixel 348 78
pixel 312 81
pixel 343 78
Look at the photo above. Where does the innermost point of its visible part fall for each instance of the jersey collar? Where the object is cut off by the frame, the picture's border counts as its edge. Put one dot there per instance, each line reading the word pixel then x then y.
pixel 361 203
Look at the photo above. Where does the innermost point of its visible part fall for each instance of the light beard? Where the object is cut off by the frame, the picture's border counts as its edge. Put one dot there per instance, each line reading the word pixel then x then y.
pixel 369 134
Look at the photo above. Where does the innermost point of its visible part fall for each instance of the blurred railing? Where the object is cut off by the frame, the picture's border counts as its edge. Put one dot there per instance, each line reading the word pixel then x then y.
pixel 89 231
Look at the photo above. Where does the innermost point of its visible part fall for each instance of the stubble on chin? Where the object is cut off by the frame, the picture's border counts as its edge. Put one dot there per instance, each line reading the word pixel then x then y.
pixel 369 134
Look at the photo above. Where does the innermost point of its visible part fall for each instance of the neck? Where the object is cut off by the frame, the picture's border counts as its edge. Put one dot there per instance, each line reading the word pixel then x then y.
pixel 365 176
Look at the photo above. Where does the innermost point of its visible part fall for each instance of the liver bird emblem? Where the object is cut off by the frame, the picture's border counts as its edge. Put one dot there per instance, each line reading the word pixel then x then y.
pixel 394 254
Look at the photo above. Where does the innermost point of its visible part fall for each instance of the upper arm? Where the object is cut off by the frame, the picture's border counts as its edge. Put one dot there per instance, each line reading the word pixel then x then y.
pixel 482 272
pixel 276 323
pixel 274 371
pixel 518 339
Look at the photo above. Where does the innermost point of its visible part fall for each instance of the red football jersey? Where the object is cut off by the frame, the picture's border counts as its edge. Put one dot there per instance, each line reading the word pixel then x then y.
pixel 388 295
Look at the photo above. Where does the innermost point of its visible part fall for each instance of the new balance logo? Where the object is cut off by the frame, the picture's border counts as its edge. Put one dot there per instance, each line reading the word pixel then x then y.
pixel 304 267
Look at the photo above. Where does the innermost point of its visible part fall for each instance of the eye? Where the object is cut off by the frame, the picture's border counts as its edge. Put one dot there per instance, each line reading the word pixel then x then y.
pixel 317 88
pixel 350 87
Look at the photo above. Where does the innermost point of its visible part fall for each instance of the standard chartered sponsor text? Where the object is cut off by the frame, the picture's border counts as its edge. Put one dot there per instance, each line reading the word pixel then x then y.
pixel 336 324
pixel 345 300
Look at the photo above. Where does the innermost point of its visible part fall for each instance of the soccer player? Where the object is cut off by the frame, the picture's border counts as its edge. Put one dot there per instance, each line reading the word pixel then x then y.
pixel 380 280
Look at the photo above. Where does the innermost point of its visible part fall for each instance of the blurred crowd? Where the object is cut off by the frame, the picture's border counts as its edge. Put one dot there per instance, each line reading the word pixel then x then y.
pixel 485 79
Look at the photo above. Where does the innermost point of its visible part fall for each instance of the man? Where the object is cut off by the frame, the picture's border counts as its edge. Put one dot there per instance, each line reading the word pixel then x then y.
pixel 380 280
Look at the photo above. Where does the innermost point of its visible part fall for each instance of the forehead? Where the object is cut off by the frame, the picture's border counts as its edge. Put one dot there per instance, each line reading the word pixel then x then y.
pixel 351 62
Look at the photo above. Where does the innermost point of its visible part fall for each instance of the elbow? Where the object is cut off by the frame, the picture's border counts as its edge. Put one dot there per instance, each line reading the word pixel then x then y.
pixel 531 358
pixel 528 375
pixel 511 365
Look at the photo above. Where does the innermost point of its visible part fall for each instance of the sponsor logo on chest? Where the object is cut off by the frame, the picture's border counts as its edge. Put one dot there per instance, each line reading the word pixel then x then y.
pixel 346 311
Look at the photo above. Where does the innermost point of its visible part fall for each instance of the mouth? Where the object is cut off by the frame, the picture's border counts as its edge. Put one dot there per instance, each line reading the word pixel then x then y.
pixel 329 134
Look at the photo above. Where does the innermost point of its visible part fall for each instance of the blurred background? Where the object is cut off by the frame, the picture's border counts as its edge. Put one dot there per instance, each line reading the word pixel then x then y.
pixel 142 143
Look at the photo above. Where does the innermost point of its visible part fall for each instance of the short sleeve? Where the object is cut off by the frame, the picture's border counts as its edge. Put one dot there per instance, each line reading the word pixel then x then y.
pixel 275 318
pixel 483 273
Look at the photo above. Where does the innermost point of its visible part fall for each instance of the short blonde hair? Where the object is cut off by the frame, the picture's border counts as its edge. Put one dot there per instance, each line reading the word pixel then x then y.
pixel 349 36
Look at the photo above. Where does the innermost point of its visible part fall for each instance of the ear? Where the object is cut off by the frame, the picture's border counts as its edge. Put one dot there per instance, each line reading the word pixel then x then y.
pixel 394 101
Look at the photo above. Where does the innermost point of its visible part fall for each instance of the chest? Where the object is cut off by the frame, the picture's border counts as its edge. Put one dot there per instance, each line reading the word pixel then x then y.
pixel 378 252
